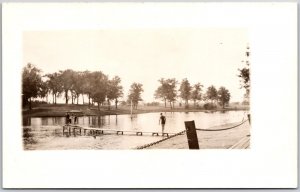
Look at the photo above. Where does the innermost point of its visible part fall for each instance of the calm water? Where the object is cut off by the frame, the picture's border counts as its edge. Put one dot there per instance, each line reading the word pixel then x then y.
pixel 46 132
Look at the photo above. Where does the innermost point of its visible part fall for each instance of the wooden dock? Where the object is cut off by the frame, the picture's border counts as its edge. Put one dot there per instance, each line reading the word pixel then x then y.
pixel 79 130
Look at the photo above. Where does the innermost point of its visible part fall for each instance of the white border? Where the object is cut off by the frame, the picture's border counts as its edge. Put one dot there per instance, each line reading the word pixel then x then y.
pixel 272 161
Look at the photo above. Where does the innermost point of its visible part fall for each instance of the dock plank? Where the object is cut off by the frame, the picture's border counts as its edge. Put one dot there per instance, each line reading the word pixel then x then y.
pixel 117 131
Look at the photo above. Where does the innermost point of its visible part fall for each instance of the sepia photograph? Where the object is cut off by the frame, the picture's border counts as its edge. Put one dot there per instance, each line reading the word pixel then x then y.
pixel 136 89
pixel 149 95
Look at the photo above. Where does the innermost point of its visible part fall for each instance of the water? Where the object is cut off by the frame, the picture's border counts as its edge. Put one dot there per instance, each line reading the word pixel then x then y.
pixel 46 132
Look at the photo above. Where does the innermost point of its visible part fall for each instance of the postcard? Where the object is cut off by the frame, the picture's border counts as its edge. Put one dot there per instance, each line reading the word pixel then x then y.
pixel 149 95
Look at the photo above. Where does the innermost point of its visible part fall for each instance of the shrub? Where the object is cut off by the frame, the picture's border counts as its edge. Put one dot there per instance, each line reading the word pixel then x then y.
pixel 153 104
pixel 209 106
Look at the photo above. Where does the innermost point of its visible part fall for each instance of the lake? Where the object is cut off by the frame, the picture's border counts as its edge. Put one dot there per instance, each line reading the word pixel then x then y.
pixel 46 132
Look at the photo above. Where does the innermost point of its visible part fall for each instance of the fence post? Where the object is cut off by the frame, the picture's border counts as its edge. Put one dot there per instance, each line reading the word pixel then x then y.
pixel 249 118
pixel 191 134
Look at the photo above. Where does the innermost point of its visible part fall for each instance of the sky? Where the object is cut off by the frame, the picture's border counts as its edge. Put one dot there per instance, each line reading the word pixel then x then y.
pixel 210 56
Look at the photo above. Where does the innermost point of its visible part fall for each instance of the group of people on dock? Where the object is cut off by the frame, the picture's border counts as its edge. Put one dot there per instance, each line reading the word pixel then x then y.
pixel 71 118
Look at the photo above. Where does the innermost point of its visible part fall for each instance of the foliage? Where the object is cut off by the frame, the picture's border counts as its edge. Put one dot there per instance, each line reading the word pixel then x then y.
pixel 209 106
pixel 223 96
pixel 54 85
pixel 87 84
pixel 123 103
pixel 66 78
pixel 153 104
pixel 44 89
pixel 100 84
pixel 167 91
pixel 135 92
pixel 32 83
pixel 211 94
pixel 78 88
pixel 196 94
pixel 115 90
pixel 161 91
pixel 185 91
pixel 245 78
pixel 244 75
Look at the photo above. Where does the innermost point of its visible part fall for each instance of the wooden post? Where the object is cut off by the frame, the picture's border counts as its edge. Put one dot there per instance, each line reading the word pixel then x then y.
pixel 191 134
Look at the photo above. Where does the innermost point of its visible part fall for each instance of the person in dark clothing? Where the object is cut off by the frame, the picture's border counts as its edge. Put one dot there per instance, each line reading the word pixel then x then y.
pixel 75 119
pixel 67 118
pixel 162 121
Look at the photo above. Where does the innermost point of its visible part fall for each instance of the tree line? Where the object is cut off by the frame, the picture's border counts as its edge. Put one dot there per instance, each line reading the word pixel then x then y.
pixel 168 93
pixel 70 84
pixel 99 88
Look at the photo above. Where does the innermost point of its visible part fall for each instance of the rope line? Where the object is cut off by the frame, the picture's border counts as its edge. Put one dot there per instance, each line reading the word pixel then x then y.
pixel 223 128
pixel 180 133
pixel 156 142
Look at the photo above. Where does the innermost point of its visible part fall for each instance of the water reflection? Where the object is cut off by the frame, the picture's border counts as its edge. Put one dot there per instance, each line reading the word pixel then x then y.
pixel 48 130
pixel 143 122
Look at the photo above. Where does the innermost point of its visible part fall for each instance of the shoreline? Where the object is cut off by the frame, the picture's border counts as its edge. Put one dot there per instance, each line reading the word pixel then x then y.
pixel 60 110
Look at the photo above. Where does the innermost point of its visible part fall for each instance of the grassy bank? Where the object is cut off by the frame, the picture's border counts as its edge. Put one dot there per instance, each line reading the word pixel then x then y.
pixel 50 110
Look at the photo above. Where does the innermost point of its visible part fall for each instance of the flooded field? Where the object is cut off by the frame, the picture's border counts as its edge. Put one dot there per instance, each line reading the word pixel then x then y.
pixel 46 132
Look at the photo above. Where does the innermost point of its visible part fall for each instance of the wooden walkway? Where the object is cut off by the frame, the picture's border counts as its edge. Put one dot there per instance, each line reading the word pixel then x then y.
pixel 79 130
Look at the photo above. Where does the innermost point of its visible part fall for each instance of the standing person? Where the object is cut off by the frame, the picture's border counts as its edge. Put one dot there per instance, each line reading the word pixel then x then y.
pixel 75 119
pixel 67 118
pixel 162 121
pixel 72 118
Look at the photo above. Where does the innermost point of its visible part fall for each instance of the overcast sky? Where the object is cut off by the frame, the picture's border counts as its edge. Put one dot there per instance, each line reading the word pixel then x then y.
pixel 209 56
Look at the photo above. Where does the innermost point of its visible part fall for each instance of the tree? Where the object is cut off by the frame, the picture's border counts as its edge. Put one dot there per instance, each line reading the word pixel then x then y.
pixel 66 78
pixel 55 85
pixel 78 82
pixel 99 84
pixel 135 92
pixel 223 96
pixel 211 94
pixel 185 91
pixel 196 93
pixel 31 83
pixel 44 90
pixel 244 75
pixel 171 91
pixel 161 91
pixel 115 90
pixel 166 91
pixel 87 84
